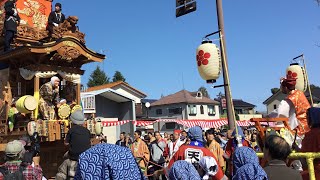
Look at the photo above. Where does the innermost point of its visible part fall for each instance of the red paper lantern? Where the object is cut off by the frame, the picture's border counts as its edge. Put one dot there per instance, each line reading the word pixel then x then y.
pixel 209 61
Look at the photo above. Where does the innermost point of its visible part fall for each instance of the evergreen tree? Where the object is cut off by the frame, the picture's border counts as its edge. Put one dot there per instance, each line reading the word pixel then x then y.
pixel 97 77
pixel 274 90
pixel 204 92
pixel 312 86
pixel 118 77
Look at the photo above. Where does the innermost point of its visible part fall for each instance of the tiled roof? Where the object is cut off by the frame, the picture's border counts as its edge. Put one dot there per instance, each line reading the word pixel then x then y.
pixel 148 100
pixel 182 96
pixel 240 103
pixel 113 84
pixel 104 86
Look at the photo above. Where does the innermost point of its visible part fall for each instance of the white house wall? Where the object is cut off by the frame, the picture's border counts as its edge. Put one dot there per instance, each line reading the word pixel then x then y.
pixel 275 101
pixel 162 127
pixel 112 132
pixel 165 111
pixel 249 116
pixel 125 92
pixel 205 114
pixel 185 112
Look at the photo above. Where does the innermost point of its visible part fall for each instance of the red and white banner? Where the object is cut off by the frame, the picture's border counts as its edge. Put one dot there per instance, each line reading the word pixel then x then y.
pixel 188 123
pixel 114 123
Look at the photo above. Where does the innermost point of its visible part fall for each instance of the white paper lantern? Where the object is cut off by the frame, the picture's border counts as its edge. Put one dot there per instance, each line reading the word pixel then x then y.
pixel 98 127
pixel 209 61
pixel 296 71
pixel 32 128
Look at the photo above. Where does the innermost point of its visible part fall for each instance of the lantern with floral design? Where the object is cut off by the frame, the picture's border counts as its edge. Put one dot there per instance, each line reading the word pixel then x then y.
pixel 209 61
pixel 298 72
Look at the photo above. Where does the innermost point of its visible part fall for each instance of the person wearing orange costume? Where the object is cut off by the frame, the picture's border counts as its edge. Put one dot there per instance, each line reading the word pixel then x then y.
pixel 294 107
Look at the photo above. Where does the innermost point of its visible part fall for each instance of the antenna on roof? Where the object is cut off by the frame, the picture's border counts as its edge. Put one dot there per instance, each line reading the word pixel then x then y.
pixel 103 51
pixel 182 82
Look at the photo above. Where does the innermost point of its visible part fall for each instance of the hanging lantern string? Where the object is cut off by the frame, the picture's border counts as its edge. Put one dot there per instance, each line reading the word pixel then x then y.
pixel 297 59
pixel 206 37
pixel 213 40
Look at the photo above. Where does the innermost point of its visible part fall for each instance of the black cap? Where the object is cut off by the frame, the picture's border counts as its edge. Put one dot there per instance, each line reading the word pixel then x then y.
pixel 58 4
pixel 210 131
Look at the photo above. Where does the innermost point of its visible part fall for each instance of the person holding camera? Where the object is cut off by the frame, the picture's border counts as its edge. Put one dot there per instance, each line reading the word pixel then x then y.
pixel 235 141
pixel 213 146
pixel 15 167
pixel 31 146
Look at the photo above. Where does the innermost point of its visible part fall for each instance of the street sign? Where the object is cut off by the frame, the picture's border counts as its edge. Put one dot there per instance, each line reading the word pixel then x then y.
pixel 186 8
pixel 223 103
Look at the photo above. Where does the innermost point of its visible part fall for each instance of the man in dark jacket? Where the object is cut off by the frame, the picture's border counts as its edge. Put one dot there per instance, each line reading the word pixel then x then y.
pixel 11 23
pixel 78 140
pixel 276 152
pixel 122 140
pixel 55 18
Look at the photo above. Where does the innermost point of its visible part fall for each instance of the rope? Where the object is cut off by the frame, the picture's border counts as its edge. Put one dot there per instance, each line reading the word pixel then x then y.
pixel 147 162
pixel 307 79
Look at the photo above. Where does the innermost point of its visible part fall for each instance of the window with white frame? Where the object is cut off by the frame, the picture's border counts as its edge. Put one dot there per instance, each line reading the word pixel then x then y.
pixel 175 110
pixel 211 110
pixel 192 109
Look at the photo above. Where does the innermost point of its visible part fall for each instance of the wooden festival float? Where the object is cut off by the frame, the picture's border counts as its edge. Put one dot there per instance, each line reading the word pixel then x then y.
pixel 34 59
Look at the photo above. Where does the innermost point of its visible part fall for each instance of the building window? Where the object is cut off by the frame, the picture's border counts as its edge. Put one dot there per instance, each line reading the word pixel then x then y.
pixel 245 111
pixel 159 111
pixel 211 111
pixel 170 125
pixel 175 110
pixel 275 106
pixel 238 111
pixel 192 110
pixel 201 109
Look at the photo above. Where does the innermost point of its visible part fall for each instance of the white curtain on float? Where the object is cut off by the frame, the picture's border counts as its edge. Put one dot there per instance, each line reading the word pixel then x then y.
pixel 28 75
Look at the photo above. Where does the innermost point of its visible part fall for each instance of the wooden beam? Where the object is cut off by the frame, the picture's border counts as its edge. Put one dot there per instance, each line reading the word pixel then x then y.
pixel 44 67
pixel 78 93
pixel 3 146
pixel 36 89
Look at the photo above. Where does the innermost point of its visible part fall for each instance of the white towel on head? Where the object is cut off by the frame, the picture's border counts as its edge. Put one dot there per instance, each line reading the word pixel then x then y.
pixel 209 165
pixel 54 79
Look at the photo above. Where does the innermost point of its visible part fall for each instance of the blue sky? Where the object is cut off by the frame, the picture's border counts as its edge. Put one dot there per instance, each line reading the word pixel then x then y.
pixel 156 51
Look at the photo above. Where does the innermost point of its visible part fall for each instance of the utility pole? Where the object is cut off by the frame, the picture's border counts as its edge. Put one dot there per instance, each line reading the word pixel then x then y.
pixel 226 81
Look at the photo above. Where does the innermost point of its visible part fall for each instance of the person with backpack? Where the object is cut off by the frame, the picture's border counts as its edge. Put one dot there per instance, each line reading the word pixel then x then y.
pixel 157 156
pixel 14 168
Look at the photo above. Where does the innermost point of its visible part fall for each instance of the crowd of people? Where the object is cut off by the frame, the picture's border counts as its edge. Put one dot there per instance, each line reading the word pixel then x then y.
pixel 185 154
pixel 193 154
